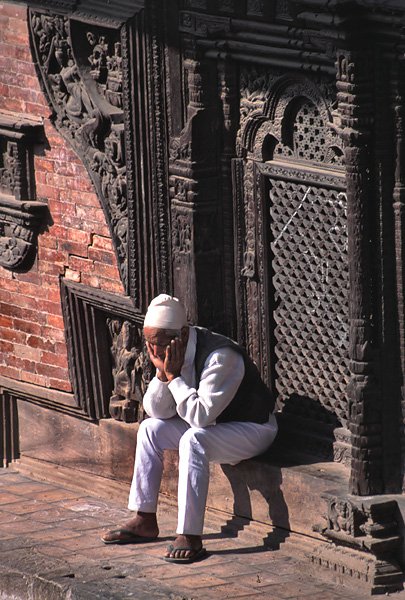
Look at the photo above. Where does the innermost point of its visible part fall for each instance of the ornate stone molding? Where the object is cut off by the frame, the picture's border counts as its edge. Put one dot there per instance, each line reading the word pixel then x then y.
pixel 366 542
pixel 80 68
pixel 21 216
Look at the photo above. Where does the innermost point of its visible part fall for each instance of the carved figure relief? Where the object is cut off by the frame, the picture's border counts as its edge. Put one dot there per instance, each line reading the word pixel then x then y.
pixel 131 370
pixel 89 114
pixel 21 216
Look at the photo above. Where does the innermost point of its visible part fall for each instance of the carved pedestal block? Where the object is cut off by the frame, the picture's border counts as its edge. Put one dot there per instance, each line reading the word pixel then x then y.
pixel 366 543
pixel 20 214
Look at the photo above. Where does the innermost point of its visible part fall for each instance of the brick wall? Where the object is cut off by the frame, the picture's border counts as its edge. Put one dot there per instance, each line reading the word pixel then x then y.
pixel 77 245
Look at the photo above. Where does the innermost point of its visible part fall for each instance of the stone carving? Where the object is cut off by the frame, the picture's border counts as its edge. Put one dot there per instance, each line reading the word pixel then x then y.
pixel 129 362
pixel 90 117
pixel 109 380
pixel 371 531
pixel 21 216
pixel 182 234
pixel 354 94
pixel 106 67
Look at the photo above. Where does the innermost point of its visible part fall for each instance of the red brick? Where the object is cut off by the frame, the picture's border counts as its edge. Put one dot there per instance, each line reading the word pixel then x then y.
pixel 10 78
pixel 16 12
pixel 60 181
pixel 104 243
pixel 15 36
pixel 25 94
pixel 4 20
pixel 27 352
pixel 6 321
pixel 24 288
pixel 29 314
pixel 88 199
pixel 48 191
pixel 12 335
pixel 109 285
pixel 67 169
pixel 76 235
pixel 47 241
pixel 54 139
pixel 81 264
pixel 90 280
pixel 8 284
pixel 73 275
pixel 39 110
pixel 107 271
pixel 53 295
pixel 21 363
pixel 49 282
pixel 10 310
pixel 55 321
pixel 5 295
pixel 54 256
pixel 27 326
pixel 35 379
pixel 24 301
pixel 50 333
pixel 37 342
pixel 76 248
pixel 26 68
pixel 13 104
pixel 60 347
pixel 51 268
pixel 58 384
pixel 4 90
pixel 42 164
pixel 30 277
pixel 6 347
pixel 50 358
pixel 51 371
pixel 52 308
pixel 58 231
pixel 102 256
pixel 88 212
pixel 10 372
pixel 60 206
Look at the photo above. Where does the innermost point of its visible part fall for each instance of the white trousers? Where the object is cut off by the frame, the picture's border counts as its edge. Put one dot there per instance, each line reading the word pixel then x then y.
pixel 226 443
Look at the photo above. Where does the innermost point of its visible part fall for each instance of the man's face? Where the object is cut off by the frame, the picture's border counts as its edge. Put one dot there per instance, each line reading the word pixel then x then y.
pixel 159 339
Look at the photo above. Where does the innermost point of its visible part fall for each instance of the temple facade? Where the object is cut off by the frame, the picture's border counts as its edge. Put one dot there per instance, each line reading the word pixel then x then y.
pixel 248 157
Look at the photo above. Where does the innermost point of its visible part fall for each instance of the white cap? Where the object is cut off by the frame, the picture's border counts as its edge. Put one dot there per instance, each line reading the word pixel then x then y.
pixel 165 312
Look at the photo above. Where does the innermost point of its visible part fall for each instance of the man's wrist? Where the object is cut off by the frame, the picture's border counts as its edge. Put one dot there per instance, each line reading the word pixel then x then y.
pixel 172 376
pixel 161 375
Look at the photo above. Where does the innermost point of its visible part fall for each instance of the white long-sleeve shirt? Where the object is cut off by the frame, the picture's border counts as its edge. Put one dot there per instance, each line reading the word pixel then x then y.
pixel 221 377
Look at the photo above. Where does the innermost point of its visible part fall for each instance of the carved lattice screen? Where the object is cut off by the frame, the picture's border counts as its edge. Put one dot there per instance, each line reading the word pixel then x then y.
pixel 310 284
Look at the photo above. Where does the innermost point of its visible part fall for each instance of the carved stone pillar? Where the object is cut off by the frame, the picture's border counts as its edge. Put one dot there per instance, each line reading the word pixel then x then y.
pixel 399 219
pixel 195 215
pixel 354 80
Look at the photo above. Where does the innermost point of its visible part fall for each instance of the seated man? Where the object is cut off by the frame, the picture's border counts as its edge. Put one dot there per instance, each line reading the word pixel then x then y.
pixel 208 401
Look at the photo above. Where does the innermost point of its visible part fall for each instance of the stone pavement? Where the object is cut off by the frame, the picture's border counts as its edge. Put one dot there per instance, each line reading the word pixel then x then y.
pixel 50 549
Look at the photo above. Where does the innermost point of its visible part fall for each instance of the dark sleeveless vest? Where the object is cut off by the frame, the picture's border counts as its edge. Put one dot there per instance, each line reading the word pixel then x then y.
pixel 253 401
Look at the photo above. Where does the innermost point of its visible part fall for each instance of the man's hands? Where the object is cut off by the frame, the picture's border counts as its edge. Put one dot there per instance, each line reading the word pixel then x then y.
pixel 169 367
pixel 174 359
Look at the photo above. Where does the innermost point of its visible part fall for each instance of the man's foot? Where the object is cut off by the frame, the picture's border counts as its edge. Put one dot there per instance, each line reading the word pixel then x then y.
pixel 142 528
pixel 185 549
